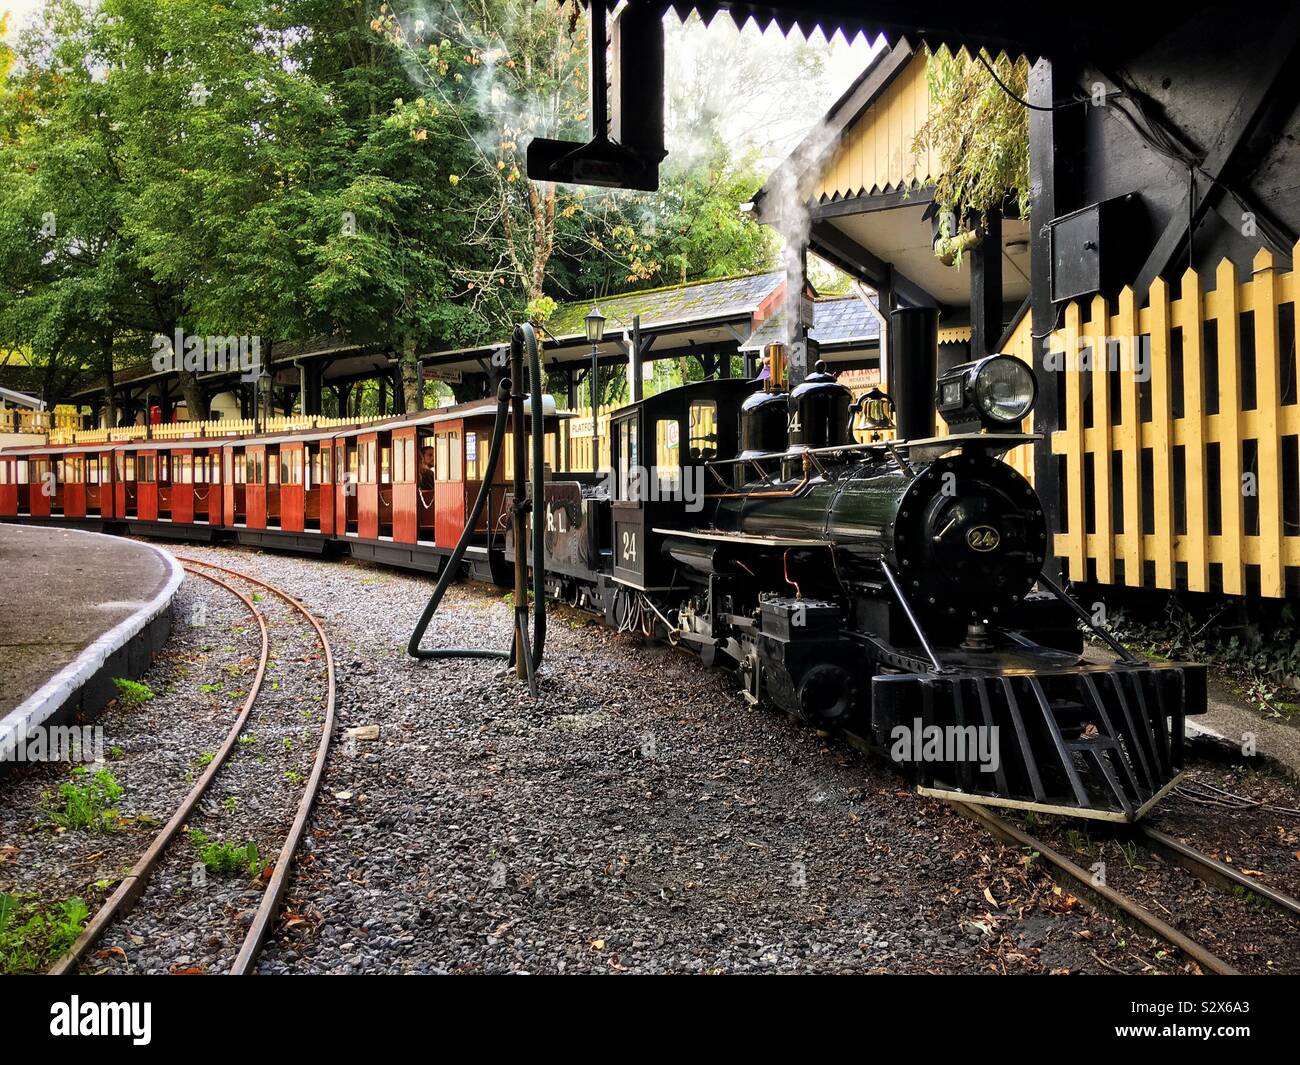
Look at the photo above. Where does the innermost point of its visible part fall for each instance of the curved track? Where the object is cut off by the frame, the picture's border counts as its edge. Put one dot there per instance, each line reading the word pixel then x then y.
pixel 133 884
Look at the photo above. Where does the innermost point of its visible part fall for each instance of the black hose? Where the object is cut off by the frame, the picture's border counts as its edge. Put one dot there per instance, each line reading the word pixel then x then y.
pixel 452 566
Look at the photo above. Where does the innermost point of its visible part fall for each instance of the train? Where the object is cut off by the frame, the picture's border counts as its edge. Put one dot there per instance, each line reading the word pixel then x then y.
pixel 896 592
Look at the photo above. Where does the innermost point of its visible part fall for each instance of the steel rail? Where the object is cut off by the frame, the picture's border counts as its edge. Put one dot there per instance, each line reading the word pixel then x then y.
pixel 1005 830
pixel 1214 872
pixel 275 887
pixel 135 881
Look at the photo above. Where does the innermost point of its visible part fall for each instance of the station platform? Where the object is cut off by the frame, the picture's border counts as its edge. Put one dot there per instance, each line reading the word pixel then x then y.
pixel 77 609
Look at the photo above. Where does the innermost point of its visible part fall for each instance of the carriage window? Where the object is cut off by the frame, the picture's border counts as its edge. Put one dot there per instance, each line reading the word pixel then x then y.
pixel 105 468
pixel 440 453
pixel 185 468
pixel 471 456
pixel 60 472
pixel 130 468
pixel 297 465
pixel 286 468
pixel 92 470
pixel 704 429
pixel 149 468
pixel 353 465
pixel 22 471
pixel 457 459
pixel 324 464
pixel 121 466
pixel 385 463
pixel 164 468
pixel 668 454
pixel 408 446
pixel 200 469
pixel 4 472
pixel 272 467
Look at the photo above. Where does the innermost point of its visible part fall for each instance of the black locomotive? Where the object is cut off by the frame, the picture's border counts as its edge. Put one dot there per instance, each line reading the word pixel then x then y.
pixel 893 591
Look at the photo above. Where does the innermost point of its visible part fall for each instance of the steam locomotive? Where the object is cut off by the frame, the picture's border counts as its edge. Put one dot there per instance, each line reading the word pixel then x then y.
pixel 893 591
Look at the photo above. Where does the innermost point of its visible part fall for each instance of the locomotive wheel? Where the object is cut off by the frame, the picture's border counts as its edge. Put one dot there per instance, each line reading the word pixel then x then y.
pixel 827 695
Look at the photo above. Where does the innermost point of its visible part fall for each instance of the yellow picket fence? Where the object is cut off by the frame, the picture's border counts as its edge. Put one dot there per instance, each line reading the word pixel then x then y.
pixel 1189 478
pixel 217 427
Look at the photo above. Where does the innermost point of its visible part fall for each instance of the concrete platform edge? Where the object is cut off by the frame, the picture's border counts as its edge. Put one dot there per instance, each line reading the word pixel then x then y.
pixel 85 683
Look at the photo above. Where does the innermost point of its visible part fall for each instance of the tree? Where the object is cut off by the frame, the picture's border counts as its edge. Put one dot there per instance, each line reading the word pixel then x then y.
pixel 981 136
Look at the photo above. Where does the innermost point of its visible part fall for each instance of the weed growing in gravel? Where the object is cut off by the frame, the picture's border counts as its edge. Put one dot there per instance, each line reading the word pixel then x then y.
pixel 90 805
pixel 1077 840
pixel 205 759
pixel 247 741
pixel 32 935
pixel 225 859
pixel 117 753
pixel 132 693
pixel 293 777
pixel 211 689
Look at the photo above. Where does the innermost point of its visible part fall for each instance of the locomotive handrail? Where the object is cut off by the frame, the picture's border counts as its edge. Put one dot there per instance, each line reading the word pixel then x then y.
pixel 916 622
pixel 1086 618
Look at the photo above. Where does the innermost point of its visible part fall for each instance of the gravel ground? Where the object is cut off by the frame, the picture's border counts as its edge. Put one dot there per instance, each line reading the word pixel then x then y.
pixel 152 750
pixel 638 817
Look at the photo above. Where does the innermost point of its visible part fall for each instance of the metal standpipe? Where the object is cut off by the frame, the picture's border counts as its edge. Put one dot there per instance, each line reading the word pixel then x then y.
pixel 527 658
pixel 510 406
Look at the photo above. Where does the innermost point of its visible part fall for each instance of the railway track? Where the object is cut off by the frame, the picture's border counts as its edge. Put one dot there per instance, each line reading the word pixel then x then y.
pixel 133 885
pixel 1205 868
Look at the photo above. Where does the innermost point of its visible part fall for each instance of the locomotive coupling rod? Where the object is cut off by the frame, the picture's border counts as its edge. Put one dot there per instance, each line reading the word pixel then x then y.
pixel 1086 618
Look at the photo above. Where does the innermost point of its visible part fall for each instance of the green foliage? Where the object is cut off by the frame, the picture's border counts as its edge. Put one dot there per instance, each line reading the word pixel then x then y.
pixel 132 693
pixel 224 859
pixel 33 935
pixel 980 134
pixel 89 802
pixel 1258 655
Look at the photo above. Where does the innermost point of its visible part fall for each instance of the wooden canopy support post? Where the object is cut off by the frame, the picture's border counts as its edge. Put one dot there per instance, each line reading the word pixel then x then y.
pixel 986 288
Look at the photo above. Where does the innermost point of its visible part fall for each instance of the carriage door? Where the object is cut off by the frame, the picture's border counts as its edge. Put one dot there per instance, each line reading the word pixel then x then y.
pixel 385 476
pixel 203 500
pixel 127 473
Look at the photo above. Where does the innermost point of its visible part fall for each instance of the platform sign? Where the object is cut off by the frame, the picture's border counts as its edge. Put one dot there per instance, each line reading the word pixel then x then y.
pixel 436 373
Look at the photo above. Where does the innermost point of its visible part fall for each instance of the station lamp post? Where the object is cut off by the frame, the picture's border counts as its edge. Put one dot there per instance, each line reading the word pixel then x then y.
pixel 595 323
pixel 265 392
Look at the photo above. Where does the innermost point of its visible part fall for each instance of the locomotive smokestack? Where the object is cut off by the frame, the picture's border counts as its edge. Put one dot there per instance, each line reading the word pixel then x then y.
pixel 913 369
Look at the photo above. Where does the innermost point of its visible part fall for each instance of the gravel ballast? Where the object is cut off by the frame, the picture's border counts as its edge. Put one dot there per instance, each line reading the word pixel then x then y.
pixel 638 816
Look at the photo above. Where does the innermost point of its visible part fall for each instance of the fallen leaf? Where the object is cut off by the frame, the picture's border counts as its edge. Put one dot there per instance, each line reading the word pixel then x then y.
pixel 598 944
pixel 989 895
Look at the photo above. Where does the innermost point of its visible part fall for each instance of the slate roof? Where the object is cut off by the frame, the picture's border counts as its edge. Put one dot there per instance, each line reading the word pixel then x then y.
pixel 696 301
pixel 840 321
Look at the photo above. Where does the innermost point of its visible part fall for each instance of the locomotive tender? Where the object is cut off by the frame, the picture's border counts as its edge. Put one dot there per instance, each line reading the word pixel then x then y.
pixel 893 591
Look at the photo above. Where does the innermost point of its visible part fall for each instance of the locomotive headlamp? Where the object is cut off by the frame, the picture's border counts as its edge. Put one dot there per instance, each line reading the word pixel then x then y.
pixel 996 393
